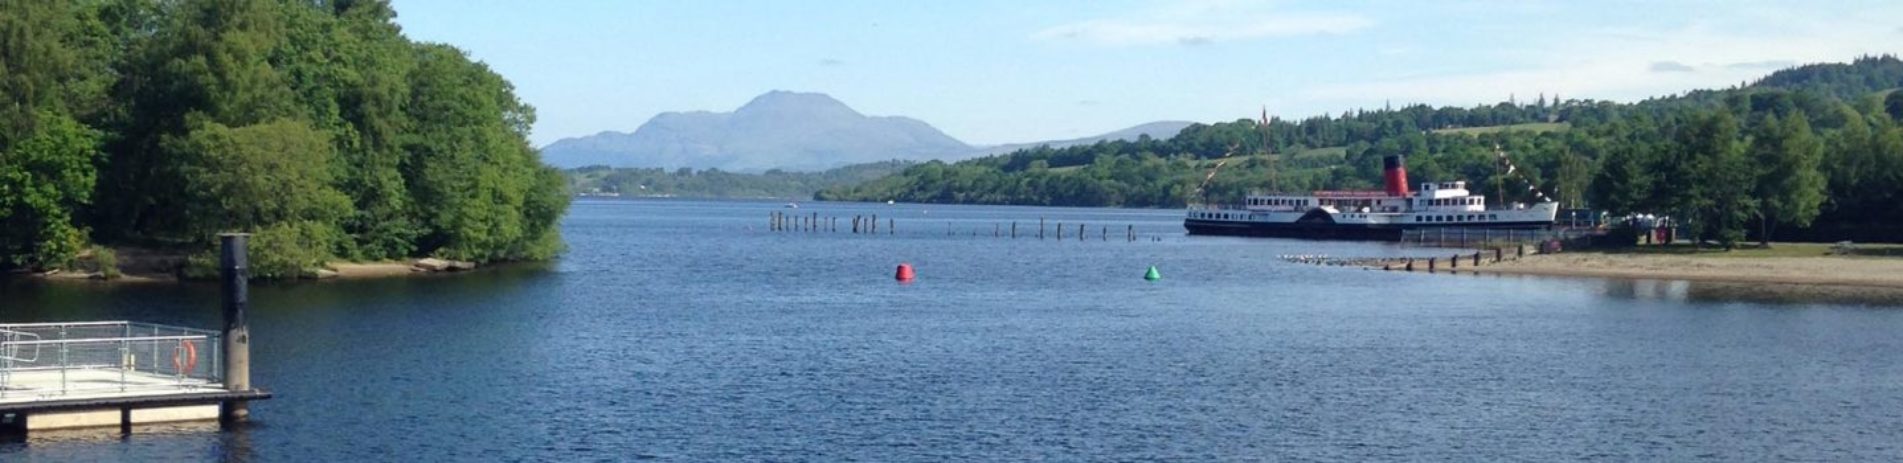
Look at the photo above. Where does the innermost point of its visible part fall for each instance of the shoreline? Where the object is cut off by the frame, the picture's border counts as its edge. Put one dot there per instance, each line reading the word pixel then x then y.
pixel 1855 272
pixel 342 270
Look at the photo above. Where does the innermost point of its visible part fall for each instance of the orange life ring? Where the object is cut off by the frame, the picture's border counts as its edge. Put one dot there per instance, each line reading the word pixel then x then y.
pixel 185 359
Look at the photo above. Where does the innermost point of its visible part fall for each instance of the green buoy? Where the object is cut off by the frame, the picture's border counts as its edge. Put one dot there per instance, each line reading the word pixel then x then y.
pixel 1152 275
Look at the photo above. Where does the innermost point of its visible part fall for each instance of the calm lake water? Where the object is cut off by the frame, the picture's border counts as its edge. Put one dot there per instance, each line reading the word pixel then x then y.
pixel 685 331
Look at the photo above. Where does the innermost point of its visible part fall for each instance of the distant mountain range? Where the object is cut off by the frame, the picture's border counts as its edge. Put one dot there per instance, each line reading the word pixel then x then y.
pixel 790 131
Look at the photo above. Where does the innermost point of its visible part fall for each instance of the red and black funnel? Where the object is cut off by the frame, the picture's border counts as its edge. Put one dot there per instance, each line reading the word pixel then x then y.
pixel 1394 174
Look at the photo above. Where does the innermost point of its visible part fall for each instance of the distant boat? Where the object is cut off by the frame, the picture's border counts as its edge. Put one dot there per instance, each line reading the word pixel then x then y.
pixel 888 201
pixel 792 205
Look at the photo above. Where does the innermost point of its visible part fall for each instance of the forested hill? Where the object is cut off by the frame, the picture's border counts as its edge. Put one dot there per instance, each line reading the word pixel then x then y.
pixel 1816 147
pixel 315 125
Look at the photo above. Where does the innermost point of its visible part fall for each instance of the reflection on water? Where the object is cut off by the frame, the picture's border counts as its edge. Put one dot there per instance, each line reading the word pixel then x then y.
pixel 1761 293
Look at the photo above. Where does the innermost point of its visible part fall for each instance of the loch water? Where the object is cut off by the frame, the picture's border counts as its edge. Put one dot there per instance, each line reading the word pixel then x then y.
pixel 683 330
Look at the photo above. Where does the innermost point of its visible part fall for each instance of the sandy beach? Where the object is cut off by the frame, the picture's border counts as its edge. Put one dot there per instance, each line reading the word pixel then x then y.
pixel 1834 271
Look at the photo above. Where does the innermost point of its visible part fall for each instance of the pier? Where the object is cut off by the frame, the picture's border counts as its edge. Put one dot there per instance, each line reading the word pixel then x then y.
pixel 98 374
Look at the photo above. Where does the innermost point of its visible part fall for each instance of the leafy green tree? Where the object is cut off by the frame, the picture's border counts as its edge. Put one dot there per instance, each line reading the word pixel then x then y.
pixel 1718 175
pixel 1571 179
pixel 51 55
pixel 1789 186
pixel 247 178
pixel 43 180
pixel 470 160
pixel 1623 185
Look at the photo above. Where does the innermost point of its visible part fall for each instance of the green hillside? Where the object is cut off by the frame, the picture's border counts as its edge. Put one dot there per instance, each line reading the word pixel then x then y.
pixel 1816 150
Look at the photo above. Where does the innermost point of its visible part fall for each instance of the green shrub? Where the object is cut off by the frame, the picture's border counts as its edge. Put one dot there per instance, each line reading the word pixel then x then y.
pixel 106 262
pixel 292 249
pixel 283 251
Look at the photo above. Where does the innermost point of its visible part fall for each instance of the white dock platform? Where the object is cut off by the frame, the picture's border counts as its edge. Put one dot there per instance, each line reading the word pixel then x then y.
pixel 101 374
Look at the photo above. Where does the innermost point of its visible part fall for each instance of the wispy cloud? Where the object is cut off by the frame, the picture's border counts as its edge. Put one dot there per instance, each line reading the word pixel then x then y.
pixel 1626 64
pixel 1204 22
pixel 1671 66
pixel 831 62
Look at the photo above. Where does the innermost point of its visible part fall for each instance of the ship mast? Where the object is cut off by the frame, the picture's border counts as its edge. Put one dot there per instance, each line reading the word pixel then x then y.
pixel 1268 154
pixel 1499 179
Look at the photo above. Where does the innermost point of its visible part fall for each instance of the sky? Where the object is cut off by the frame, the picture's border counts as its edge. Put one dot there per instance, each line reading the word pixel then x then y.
pixel 991 72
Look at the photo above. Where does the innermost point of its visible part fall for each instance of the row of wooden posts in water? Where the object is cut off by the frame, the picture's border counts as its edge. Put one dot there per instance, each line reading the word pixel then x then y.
pixel 783 222
pixel 1430 264
pixel 1453 262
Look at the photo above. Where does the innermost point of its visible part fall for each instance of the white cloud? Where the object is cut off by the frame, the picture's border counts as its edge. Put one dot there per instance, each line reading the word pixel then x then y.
pixel 1626 65
pixel 1204 22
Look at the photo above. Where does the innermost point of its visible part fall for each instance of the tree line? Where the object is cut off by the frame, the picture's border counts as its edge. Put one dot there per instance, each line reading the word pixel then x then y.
pixel 313 124
pixel 1813 152
pixel 716 183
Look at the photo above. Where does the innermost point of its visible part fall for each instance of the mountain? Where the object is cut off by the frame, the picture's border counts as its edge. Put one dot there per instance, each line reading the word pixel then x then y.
pixel 789 131
pixel 777 130
pixel 1158 130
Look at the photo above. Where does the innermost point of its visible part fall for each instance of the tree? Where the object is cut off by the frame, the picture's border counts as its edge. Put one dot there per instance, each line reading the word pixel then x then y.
pixel 1571 180
pixel 244 178
pixel 50 60
pixel 1789 187
pixel 43 180
pixel 1716 193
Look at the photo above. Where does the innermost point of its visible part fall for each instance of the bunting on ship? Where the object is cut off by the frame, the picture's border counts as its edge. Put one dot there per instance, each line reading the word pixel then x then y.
pixel 1531 186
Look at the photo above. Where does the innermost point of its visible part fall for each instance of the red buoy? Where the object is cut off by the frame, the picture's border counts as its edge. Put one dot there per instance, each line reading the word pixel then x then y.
pixel 905 272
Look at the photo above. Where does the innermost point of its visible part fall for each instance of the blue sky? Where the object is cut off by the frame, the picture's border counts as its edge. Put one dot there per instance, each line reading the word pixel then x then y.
pixel 992 72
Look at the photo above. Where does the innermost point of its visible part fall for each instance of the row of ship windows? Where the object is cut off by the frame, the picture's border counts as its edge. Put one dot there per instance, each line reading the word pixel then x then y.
pixel 1467 201
pixel 1277 202
pixel 1207 215
pixel 1456 218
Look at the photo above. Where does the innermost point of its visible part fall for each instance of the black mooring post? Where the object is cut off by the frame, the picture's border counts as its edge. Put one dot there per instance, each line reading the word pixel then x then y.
pixel 234 270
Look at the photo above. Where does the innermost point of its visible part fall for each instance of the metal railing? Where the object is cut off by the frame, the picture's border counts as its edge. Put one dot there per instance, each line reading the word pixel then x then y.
pixel 52 360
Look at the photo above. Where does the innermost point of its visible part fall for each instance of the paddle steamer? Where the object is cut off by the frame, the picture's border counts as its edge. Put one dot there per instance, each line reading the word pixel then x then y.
pixel 1368 215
